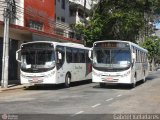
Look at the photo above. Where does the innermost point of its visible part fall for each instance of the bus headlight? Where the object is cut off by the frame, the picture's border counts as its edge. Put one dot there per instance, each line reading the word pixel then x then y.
pixel 125 74
pixel 95 73
pixel 23 76
pixel 50 74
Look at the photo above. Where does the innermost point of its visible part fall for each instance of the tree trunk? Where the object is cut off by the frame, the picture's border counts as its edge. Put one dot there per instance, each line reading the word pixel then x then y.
pixel 153 65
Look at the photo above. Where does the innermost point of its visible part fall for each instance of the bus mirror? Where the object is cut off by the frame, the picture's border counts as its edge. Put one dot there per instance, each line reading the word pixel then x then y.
pixel 59 56
pixel 90 54
pixel 18 55
pixel 133 56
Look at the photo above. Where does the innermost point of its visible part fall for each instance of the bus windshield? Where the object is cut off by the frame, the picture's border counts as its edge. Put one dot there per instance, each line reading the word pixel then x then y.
pixel 112 58
pixel 37 60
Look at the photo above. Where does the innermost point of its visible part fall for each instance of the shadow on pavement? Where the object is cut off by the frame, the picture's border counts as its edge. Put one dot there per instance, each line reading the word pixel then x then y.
pixel 116 86
pixel 121 86
pixel 127 86
pixel 58 86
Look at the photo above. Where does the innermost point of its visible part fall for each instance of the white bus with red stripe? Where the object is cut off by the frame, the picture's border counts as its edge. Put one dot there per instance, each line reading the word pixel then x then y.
pixel 45 62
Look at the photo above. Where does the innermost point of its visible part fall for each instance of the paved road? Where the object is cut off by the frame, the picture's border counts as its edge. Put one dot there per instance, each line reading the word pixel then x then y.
pixel 85 98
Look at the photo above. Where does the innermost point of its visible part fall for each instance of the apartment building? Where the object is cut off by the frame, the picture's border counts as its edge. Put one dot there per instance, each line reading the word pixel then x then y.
pixel 76 10
pixel 62 18
pixel 70 12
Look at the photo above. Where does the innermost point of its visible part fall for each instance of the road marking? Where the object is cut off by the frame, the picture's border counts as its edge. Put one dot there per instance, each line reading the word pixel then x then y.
pixel 96 105
pixel 77 113
pixel 119 95
pixel 109 99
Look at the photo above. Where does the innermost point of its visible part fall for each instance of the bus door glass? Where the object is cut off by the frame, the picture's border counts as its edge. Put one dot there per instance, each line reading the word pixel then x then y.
pixel 60 54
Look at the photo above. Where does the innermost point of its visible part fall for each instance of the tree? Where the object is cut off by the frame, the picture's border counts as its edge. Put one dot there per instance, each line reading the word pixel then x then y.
pixel 152 44
pixel 120 19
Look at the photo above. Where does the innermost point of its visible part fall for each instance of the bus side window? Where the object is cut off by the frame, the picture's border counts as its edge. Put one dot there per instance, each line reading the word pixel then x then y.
pixel 75 55
pixel 87 57
pixel 69 55
pixel 81 56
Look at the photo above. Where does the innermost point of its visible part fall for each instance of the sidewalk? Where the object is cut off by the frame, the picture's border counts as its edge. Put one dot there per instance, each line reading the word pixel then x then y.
pixel 11 87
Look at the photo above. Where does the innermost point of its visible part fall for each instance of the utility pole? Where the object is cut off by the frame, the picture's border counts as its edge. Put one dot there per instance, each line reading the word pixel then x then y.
pixel 84 18
pixel 8 14
pixel 84 14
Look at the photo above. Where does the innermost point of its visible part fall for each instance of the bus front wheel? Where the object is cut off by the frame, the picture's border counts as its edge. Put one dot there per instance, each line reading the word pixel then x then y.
pixel 144 77
pixel 102 85
pixel 133 85
pixel 67 80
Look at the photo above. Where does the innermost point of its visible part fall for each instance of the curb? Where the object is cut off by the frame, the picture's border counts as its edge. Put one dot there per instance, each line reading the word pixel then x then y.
pixel 11 88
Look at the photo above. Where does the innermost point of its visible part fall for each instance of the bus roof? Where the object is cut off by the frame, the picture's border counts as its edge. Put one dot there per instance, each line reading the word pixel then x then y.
pixel 68 44
pixel 131 43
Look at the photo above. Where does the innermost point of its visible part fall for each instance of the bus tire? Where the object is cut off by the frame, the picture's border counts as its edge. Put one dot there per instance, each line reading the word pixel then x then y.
pixel 67 80
pixel 144 77
pixel 102 85
pixel 26 87
pixel 133 85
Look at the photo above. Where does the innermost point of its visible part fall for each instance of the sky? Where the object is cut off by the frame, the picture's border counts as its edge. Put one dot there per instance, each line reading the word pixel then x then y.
pixel 157 25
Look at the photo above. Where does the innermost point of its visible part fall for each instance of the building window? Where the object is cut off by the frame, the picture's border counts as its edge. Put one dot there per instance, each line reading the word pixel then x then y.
pixel 72 12
pixel 62 19
pixel 71 34
pixel 63 4
pixel 58 18
pixel 35 25
pixel 59 31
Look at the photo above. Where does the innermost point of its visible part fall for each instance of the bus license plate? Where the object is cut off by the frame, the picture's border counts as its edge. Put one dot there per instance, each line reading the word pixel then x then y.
pixel 109 78
pixel 35 80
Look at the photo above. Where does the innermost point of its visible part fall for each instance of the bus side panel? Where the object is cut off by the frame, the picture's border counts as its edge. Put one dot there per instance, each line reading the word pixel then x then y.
pixel 141 70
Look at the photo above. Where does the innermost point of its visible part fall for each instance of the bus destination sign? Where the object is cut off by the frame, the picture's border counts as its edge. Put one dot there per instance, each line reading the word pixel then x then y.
pixel 111 44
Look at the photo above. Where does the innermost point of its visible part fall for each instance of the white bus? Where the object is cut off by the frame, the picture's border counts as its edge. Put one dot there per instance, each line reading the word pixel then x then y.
pixel 46 62
pixel 116 62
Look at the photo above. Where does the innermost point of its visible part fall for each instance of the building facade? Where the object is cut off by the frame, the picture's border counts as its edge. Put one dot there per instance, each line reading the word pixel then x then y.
pixel 62 18
pixel 39 15
pixel 69 13
pixel 77 10
pixel 33 20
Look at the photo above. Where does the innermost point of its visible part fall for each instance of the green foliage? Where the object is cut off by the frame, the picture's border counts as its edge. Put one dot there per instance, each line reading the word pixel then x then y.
pixel 152 44
pixel 118 19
